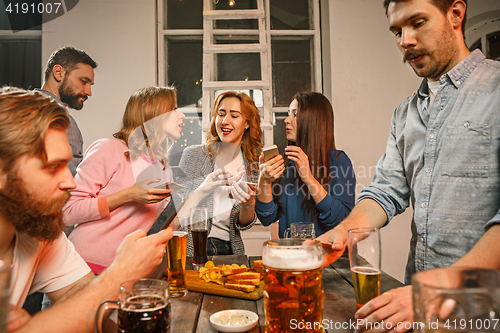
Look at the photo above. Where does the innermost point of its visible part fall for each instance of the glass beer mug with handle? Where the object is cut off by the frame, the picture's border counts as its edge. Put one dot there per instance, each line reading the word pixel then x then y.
pixel 301 230
pixel 143 306
pixel 293 284
pixel 456 299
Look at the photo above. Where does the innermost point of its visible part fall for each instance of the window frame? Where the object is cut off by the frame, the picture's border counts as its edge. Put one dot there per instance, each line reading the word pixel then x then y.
pixel 316 54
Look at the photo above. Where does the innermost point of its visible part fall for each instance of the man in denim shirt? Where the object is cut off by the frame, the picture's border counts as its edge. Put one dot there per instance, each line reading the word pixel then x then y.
pixel 442 153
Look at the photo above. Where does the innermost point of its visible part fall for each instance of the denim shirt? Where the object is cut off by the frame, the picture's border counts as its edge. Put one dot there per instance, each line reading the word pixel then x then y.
pixel 446 161
pixel 74 136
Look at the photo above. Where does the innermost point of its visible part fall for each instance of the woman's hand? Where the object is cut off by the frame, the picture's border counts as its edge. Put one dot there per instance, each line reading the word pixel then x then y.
pixel 142 193
pixel 213 180
pixel 244 193
pixel 139 192
pixel 301 160
pixel 270 170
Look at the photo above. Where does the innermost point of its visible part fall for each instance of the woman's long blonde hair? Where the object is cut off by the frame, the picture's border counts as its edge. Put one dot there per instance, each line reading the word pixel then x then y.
pixel 251 143
pixel 142 122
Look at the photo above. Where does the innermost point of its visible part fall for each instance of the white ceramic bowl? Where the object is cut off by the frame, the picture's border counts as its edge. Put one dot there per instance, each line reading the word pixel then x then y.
pixel 224 321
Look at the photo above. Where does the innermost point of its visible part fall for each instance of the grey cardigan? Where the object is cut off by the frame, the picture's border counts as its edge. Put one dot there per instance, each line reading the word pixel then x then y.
pixel 197 164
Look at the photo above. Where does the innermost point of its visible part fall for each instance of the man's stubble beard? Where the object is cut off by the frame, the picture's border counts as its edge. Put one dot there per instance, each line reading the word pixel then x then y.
pixel 39 219
pixel 69 97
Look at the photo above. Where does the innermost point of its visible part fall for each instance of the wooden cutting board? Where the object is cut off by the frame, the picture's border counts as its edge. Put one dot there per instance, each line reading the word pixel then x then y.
pixel 194 283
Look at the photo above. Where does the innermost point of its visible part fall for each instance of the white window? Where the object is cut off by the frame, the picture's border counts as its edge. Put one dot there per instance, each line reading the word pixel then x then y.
pixel 292 29
pixel 20 51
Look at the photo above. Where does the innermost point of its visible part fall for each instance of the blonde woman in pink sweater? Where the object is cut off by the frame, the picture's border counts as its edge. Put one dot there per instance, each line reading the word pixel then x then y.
pixel 115 192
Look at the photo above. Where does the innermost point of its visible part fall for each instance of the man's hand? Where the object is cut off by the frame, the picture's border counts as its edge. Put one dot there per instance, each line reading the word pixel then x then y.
pixel 333 243
pixel 138 256
pixel 16 318
pixel 393 307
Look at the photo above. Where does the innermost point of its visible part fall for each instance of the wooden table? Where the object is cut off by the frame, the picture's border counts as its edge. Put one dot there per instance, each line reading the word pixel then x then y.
pixel 191 313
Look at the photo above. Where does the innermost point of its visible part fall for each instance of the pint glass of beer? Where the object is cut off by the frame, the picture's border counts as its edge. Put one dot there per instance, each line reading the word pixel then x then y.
pixel 176 257
pixel 364 259
pixel 143 306
pixel 198 218
pixel 293 285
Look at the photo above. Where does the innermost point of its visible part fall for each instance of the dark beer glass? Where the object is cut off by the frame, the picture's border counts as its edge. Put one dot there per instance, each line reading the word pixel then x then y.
pixel 143 306
pixel 199 233
pixel 293 285
pixel 144 314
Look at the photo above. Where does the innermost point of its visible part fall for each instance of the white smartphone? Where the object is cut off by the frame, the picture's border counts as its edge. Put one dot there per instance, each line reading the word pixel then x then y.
pixel 170 186
pixel 270 152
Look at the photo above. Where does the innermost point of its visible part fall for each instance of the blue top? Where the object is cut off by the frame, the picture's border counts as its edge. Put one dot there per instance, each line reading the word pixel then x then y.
pixel 445 160
pixel 335 207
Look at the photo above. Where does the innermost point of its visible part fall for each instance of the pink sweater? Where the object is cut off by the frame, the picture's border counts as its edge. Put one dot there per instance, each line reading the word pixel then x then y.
pixel 105 171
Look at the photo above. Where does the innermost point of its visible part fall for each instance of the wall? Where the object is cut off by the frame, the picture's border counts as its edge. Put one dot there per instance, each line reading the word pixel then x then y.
pixel 121 37
pixel 369 80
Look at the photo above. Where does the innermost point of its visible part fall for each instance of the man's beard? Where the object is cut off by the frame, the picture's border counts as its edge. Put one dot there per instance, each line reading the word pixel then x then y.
pixel 68 96
pixel 39 219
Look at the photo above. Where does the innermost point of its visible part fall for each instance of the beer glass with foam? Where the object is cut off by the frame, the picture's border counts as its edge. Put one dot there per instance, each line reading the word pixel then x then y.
pixel 143 306
pixel 198 219
pixel 176 257
pixel 293 285
pixel 456 299
pixel 364 259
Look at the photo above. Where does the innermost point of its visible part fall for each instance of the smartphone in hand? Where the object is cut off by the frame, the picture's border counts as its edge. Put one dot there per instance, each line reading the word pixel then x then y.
pixel 170 186
pixel 270 152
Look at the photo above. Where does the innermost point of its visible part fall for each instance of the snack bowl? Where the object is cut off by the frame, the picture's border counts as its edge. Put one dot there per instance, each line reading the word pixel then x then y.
pixel 234 320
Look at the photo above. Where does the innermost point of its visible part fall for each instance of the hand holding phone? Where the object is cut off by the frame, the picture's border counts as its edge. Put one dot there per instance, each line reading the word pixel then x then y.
pixel 170 186
pixel 270 152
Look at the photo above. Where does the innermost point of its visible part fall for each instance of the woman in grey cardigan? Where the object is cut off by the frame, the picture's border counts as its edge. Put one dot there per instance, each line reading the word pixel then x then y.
pixel 222 174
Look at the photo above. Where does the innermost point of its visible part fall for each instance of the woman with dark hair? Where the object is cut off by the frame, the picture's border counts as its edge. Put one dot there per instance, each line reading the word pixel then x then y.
pixel 115 190
pixel 229 158
pixel 315 182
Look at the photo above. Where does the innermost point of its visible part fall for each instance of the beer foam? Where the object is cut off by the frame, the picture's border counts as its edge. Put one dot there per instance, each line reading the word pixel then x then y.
pixel 292 258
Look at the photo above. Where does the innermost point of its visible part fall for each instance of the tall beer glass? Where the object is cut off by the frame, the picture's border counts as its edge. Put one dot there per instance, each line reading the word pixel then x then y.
pixel 198 218
pixel 293 285
pixel 176 257
pixel 365 259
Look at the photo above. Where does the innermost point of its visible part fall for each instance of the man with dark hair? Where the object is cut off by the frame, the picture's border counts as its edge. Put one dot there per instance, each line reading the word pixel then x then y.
pixel 34 184
pixel 442 156
pixel 69 76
